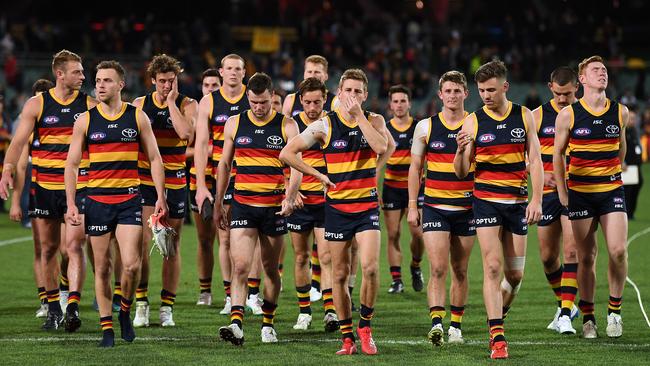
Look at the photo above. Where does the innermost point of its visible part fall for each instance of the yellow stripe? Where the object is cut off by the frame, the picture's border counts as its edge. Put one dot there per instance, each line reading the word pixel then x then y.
pixel 440 167
pixel 267 162
pixel 350 194
pixel 438 193
pixel 113 183
pixel 393 177
pixel 501 158
pixel 399 160
pixel 51 186
pixel 595 172
pixel 115 156
pixel 595 147
pixel 50 163
pixel 174 166
pixel 259 187
pixel 311 187
pixel 314 162
pixel 596 188
pixel 348 167
pixel 502 183
pixel 56 139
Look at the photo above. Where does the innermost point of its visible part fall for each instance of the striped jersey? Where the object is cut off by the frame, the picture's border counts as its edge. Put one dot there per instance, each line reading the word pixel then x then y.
pixel 53 133
pixel 443 189
pixel 397 166
pixel 260 179
pixel 113 144
pixel 594 141
pixel 296 107
pixel 171 146
pixel 351 164
pixel 223 108
pixel 500 174
pixel 311 187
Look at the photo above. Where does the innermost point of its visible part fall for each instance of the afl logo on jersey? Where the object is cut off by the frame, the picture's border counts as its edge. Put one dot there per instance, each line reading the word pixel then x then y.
pixel 582 131
pixel 244 140
pixel 486 138
pixel 612 129
pixel 550 130
pixel 50 120
pixel 339 144
pixel 517 133
pixel 129 133
pixel 221 118
pixel 437 145
pixel 96 136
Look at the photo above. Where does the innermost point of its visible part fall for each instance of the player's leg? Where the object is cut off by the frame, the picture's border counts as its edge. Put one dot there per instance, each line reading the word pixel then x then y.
pixel 417 251
pixel 206 233
pixel 369 249
pixel 461 249
pixel 615 231
pixel 392 220
pixel 437 244
pixel 300 242
pixel 225 263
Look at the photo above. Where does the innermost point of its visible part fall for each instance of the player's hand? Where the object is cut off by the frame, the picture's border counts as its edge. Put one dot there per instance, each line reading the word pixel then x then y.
pixel 413 217
pixel 463 139
pixel 173 93
pixel 160 209
pixel 533 212
pixel 6 183
pixel 299 202
pixel 549 179
pixel 564 198
pixel 72 215
pixel 221 219
pixel 287 207
pixel 15 212
pixel 202 194
pixel 325 181
pixel 353 107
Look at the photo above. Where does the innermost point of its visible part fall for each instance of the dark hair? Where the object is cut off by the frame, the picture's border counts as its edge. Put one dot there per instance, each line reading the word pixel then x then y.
pixel 399 89
pixel 163 63
pixel 41 86
pixel 493 69
pixel 210 72
pixel 260 82
pixel 312 84
pixel 112 64
pixel 564 75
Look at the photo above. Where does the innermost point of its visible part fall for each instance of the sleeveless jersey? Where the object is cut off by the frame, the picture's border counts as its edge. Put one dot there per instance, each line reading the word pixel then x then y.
pixel 500 174
pixel 172 148
pixel 222 109
pixel 397 166
pixel 351 166
pixel 260 179
pixel 311 187
pixel 53 131
pixel 113 144
pixel 546 134
pixel 443 190
pixel 296 107
pixel 594 141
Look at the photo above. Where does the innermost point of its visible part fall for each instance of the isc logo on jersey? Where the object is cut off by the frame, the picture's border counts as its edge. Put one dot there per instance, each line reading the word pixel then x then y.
pixel 438 145
pixel 486 138
pixel 244 140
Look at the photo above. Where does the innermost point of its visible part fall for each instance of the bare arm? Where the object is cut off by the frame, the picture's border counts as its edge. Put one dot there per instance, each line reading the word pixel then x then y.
pixel 390 149
pixel 374 130
pixel 290 154
pixel 150 147
pixel 201 149
pixel 183 119
pixel 227 155
pixel 16 212
pixel 71 171
pixel 288 103
pixel 466 149
pixel 622 150
pixel 562 130
pixel 291 130
pixel 534 208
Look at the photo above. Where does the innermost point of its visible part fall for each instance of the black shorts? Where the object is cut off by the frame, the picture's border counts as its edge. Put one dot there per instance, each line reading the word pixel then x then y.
pixel 176 200
pixel 511 216
pixel 307 218
pixel 102 218
pixel 193 206
pixel 397 199
pixel 31 213
pixel 586 205
pixel 264 219
pixel 227 197
pixel 342 226
pixel 80 200
pixel 49 204
pixel 552 209
pixel 459 223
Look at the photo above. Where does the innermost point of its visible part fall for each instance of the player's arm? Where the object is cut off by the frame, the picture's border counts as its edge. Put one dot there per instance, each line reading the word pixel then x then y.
pixel 138 102
pixel 26 124
pixel 183 118
pixel 291 130
pixel 418 153
pixel 466 148
pixel 150 147
pixel 201 149
pixel 622 150
pixel 562 130
pixel 534 208
pixel 316 132
pixel 16 212
pixel 224 168
pixel 71 171
pixel 373 129
pixel 390 149
pixel 288 103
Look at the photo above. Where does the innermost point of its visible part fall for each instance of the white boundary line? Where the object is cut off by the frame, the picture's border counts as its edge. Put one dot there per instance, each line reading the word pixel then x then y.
pixel 15 240
pixel 302 340
pixel 629 280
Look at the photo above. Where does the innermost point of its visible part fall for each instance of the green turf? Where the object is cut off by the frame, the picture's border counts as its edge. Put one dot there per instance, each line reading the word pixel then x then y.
pixel 400 325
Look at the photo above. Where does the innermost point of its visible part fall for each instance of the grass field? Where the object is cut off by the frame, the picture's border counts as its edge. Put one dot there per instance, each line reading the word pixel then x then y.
pixel 400 325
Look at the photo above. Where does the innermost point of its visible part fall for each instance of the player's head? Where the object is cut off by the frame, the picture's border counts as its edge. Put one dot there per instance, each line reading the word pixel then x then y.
pixel 276 101
pixel 210 81
pixel 109 80
pixel 312 97
pixel 399 99
pixel 260 92
pixel 232 70
pixel 353 84
pixel 316 66
pixel 563 85
pixel 452 90
pixel 67 69
pixel 163 70
pixel 592 73
pixel 492 83
pixel 41 86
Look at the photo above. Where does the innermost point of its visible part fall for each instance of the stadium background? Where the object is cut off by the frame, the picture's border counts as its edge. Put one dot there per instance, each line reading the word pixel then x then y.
pixel 409 42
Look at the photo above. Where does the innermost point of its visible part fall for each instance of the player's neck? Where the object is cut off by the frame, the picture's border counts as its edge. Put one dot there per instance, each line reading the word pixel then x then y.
pixel 264 118
pixel 596 99
pixel 112 107
pixel 159 98
pixel 402 121
pixel 62 92
pixel 232 91
pixel 501 109
pixel 453 116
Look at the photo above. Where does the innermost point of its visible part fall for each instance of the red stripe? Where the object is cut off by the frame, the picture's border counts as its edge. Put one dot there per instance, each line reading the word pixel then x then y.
pixel 547 141
pixel 263 200
pixel 610 141
pixel 355 184
pixel 355 207
pixel 587 163
pixel 256 153
pixel 500 176
pixel 486 194
pixel 113 174
pixel 258 178
pixel 112 199
pixel 450 185
pixel 349 157
pixel 50 178
pixel 440 158
pixel 500 149
pixel 402 153
pixel 313 200
pixel 113 147
pixel 58 155
pixel 173 158
pixel 396 184
pixel 398 173
pixel 58 131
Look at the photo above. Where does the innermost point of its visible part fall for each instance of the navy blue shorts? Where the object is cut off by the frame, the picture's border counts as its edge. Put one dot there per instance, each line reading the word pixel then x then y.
pixel 397 199
pixel 264 219
pixel 227 197
pixel 552 209
pixel 307 218
pixel 586 205
pixel 459 223
pixel 511 216
pixel 103 218
pixel 80 200
pixel 342 226
pixel 49 204
pixel 176 200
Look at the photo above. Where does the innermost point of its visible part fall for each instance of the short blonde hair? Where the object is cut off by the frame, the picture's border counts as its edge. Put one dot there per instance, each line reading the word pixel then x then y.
pixel 583 65
pixel 317 59
pixel 453 76
pixel 60 58
pixel 354 74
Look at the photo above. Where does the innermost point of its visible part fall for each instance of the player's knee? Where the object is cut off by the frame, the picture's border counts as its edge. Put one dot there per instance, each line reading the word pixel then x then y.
pixel 460 273
pixel 240 269
pixel 618 253
pixel 340 276
pixel 549 262
pixel 370 270
pixel 301 258
pixel 49 251
pixel 325 258
pixel 103 270
pixel 393 238
pixel 514 277
pixel 571 256
pixel 206 243
pixel 439 271
pixel 131 268
pixel 493 270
